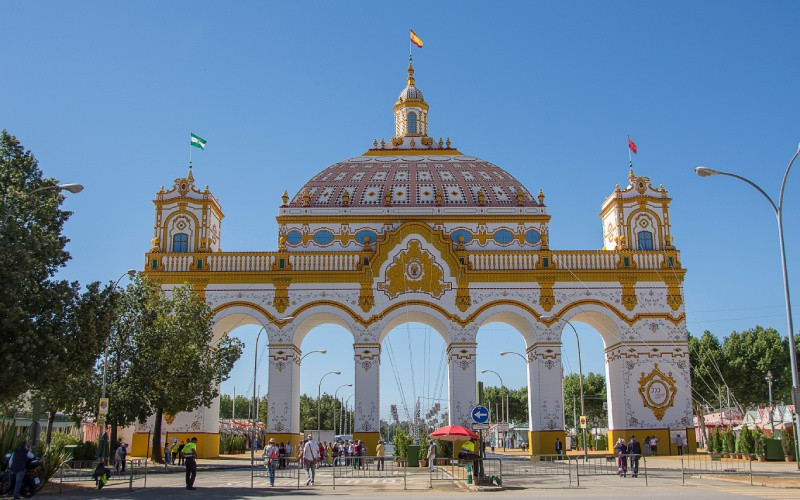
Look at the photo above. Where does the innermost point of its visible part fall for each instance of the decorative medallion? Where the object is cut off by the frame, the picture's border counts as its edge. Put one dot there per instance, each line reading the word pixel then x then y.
pixel 657 391
pixel 414 270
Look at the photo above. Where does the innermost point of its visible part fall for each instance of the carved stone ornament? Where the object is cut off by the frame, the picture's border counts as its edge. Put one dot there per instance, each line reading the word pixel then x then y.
pixel 657 391
pixel 414 270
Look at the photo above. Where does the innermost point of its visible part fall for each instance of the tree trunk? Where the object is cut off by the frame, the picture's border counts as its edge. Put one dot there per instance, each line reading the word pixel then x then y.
pixel 155 453
pixel 50 419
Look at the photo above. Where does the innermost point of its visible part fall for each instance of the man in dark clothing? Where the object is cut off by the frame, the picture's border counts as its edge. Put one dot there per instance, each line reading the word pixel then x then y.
pixel 634 452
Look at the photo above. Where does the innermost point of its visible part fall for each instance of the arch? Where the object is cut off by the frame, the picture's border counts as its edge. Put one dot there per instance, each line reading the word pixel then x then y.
pixel 318 316
pixel 598 317
pixel 427 316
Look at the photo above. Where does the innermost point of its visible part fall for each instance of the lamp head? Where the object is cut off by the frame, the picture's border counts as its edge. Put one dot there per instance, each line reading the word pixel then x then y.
pixel 72 188
pixel 705 171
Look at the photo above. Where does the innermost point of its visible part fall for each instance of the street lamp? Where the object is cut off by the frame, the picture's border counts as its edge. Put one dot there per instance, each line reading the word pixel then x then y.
pixel 281 321
pixel 321 351
pixel 72 188
pixel 336 397
pixel 778 209
pixel 346 416
pixel 319 396
pixel 771 422
pixel 580 382
pixel 130 273
pixel 527 417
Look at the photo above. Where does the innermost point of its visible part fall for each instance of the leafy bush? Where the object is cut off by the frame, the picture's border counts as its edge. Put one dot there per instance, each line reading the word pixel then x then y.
pixel 788 445
pixel 423 447
pixel 728 442
pixel 401 442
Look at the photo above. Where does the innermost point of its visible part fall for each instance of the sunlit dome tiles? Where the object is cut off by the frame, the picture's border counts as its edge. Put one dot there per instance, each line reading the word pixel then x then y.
pixel 413 180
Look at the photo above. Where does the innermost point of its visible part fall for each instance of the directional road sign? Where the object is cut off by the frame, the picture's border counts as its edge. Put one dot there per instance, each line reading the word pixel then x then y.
pixel 480 414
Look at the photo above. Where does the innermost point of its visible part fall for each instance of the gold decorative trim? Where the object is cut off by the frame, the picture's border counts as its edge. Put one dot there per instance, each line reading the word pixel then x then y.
pixel 657 391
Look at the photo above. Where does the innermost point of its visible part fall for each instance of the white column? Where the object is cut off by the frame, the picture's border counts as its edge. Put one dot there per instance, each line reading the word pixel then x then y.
pixel 545 387
pixel 462 378
pixel 284 389
pixel 367 359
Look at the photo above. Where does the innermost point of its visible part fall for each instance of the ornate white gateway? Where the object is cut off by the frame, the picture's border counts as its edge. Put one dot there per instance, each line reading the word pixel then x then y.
pixel 414 230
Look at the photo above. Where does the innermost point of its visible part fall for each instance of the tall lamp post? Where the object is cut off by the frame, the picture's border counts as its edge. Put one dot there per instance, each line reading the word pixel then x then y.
pixel 771 421
pixel 580 382
pixel 281 321
pixel 778 209
pixel 527 417
pixel 336 397
pixel 319 396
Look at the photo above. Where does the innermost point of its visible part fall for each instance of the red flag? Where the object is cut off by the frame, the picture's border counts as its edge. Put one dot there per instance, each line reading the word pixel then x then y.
pixel 631 145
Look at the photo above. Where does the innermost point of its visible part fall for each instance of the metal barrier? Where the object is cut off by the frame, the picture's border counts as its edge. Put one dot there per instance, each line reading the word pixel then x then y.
pixel 82 470
pixel 455 470
pixel 539 465
pixel 287 470
pixel 716 464
pixel 610 465
pixel 368 467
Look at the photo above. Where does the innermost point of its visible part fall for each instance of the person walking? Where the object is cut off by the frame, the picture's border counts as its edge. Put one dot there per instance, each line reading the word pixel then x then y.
pixel 271 459
pixel 310 455
pixel 635 453
pixel 380 452
pixel 622 459
pixel 119 458
pixel 431 456
pixel 190 455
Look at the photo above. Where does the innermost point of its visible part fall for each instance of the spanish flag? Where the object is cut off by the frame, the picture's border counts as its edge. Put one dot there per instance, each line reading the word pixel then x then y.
pixel 415 39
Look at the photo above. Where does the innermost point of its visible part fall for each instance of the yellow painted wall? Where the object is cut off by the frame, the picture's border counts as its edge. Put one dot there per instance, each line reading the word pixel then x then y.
pixel 207 443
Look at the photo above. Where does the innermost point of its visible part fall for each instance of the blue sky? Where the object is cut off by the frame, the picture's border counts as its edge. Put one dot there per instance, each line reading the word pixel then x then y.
pixel 106 94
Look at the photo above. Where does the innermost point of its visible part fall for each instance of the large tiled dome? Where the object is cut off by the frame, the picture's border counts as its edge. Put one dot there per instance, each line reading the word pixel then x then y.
pixel 413 179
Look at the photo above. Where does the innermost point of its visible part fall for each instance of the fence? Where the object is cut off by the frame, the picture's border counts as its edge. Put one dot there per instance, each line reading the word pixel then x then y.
pixel 716 464
pixel 455 470
pixel 83 470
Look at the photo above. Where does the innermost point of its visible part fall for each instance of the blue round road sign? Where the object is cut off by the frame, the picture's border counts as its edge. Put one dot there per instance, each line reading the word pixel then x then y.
pixel 480 414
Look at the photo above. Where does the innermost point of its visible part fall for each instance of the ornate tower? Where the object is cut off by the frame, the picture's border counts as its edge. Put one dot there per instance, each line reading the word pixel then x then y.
pixel 187 221
pixel 410 112
pixel 637 218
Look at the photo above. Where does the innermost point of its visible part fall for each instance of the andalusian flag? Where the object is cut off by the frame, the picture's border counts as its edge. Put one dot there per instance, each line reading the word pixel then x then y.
pixel 415 39
pixel 198 142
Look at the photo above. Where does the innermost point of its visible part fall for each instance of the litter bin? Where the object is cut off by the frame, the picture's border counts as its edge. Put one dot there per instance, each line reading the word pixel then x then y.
pixel 413 455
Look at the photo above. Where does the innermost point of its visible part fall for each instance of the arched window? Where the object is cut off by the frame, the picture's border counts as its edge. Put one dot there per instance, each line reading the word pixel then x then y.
pixel 645 240
pixel 412 123
pixel 180 242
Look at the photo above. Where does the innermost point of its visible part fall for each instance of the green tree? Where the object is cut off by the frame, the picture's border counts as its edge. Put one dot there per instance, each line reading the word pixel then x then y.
pixel 81 329
pixel 594 390
pixel 32 249
pixel 748 356
pixel 175 367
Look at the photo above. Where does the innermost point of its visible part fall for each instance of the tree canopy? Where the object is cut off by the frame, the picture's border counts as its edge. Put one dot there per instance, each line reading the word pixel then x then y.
pixel 32 249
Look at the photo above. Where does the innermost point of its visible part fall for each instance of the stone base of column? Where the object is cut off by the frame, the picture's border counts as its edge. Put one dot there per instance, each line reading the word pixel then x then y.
pixel 286 437
pixel 666 443
pixel 207 443
pixel 370 439
pixel 544 442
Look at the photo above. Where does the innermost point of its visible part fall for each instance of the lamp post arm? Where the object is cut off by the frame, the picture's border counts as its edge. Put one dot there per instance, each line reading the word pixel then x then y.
pixel 758 188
